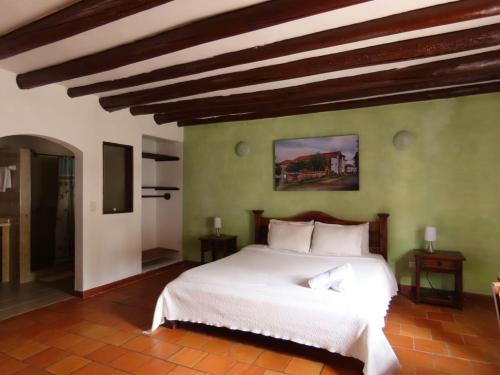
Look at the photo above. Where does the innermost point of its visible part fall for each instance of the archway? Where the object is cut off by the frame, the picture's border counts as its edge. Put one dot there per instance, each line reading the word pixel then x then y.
pixel 43 150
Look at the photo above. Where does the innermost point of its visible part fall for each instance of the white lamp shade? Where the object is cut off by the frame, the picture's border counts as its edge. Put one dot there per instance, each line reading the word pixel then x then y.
pixel 430 233
pixel 217 222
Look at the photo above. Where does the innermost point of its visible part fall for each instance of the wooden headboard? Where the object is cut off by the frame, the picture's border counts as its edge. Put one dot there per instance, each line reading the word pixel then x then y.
pixel 378 228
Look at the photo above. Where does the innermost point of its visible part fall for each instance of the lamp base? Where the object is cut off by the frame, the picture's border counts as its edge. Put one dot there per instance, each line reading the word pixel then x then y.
pixel 430 249
pixel 217 232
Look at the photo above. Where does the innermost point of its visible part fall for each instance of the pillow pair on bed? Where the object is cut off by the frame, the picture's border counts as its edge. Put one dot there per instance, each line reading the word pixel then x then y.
pixel 327 239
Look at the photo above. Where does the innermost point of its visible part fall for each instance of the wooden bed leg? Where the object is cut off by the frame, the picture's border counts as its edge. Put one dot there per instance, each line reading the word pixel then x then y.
pixel 172 323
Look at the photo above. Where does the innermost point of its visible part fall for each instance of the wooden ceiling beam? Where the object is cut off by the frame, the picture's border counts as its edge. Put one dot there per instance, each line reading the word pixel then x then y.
pixel 430 46
pixel 390 89
pixel 444 93
pixel 72 20
pixel 265 14
pixel 418 19
pixel 469 69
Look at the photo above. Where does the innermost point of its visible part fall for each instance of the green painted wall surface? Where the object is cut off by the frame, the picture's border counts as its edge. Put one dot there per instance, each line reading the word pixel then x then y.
pixel 450 178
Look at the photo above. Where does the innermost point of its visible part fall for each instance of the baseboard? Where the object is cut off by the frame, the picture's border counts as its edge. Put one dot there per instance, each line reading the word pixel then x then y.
pixel 132 279
pixel 409 292
pixel 477 297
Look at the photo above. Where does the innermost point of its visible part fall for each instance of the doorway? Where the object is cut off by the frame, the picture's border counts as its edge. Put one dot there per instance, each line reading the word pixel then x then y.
pixel 39 206
pixel 52 218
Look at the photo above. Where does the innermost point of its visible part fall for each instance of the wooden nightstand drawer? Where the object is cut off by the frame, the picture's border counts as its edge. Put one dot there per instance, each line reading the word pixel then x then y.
pixel 439 264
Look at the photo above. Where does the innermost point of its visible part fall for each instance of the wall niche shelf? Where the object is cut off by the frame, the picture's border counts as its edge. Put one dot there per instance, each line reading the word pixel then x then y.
pixel 159 157
pixel 161 188
pixel 161 202
pixel 164 196
pixel 158 257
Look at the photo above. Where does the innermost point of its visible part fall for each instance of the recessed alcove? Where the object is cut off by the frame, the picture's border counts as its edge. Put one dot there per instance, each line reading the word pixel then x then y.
pixel 161 202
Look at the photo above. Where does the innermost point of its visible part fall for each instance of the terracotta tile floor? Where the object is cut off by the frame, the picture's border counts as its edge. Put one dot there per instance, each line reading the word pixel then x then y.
pixel 102 335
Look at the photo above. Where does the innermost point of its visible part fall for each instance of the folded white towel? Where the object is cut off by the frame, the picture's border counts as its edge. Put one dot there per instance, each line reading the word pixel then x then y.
pixel 338 278
pixel 5 179
pixel 321 281
pixel 342 278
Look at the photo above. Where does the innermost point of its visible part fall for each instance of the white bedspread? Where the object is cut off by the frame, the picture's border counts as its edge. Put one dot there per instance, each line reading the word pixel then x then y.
pixel 265 291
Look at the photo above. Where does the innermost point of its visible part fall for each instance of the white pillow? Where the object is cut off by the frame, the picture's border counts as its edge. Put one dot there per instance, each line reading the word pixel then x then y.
pixel 333 239
pixel 290 235
pixel 365 240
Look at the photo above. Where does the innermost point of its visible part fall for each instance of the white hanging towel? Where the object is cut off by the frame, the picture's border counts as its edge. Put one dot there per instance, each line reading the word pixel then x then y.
pixel 5 179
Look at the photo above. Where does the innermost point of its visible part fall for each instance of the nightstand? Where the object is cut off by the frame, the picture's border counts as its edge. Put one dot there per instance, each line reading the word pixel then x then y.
pixel 224 243
pixel 439 261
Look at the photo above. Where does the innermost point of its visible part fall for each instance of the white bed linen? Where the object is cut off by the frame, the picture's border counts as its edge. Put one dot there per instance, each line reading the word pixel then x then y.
pixel 265 291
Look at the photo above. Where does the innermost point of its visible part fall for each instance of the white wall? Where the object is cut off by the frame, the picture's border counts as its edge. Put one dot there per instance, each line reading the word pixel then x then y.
pixel 149 206
pixel 108 246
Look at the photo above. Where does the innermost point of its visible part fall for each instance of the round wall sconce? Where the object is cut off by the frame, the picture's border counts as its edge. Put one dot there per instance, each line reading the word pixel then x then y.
pixel 242 149
pixel 403 140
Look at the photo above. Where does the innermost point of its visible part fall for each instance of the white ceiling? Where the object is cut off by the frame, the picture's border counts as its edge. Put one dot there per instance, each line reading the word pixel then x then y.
pixel 178 12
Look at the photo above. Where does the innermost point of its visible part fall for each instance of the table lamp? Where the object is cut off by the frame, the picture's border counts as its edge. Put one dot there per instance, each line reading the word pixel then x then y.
pixel 217 225
pixel 430 237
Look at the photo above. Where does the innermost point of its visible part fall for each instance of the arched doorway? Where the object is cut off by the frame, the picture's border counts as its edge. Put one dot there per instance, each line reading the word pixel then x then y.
pixel 42 200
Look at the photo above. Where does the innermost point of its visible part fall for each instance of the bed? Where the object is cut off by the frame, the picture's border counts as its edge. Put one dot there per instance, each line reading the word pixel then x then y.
pixel 264 291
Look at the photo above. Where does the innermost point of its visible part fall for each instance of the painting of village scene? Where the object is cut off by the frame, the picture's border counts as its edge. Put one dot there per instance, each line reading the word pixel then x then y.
pixel 313 164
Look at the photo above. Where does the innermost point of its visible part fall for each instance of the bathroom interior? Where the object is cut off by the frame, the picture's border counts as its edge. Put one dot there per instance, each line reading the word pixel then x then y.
pixel 37 219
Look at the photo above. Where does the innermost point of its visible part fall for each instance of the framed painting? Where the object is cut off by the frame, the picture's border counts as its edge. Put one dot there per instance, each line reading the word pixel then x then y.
pixel 315 164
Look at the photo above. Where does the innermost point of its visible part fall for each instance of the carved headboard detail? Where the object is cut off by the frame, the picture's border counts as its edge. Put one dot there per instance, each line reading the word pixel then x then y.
pixel 378 228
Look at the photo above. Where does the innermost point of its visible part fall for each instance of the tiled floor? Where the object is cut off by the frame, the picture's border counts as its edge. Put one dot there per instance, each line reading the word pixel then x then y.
pixel 16 299
pixel 102 335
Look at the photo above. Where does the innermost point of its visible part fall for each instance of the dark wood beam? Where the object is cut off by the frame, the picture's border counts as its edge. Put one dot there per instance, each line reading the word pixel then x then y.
pixel 74 19
pixel 430 46
pixel 468 69
pixel 390 89
pixel 444 93
pixel 266 14
pixel 408 21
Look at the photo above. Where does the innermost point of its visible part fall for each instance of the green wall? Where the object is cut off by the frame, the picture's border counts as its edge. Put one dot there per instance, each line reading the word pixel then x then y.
pixel 450 178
